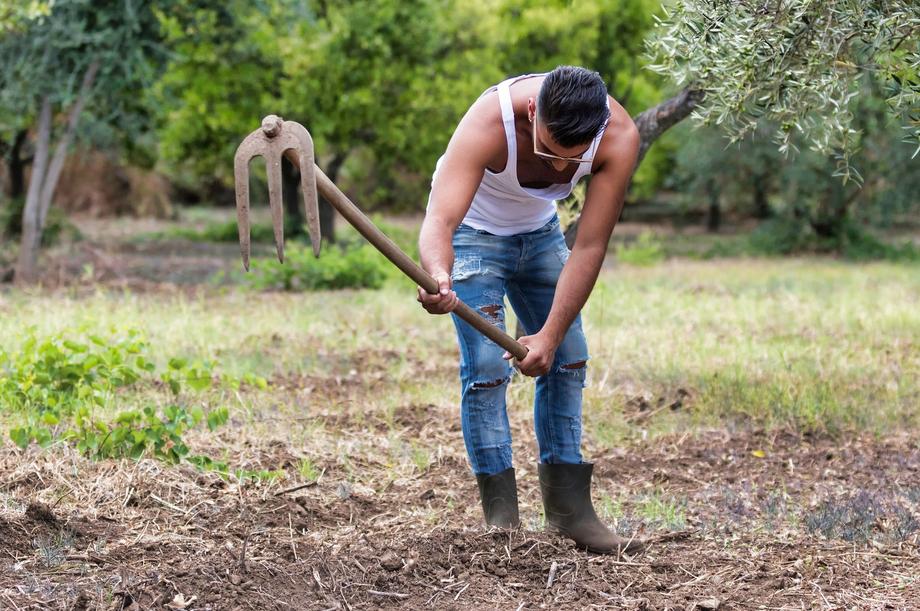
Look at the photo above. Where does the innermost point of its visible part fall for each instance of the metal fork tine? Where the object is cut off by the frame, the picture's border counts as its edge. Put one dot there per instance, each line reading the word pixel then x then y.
pixel 241 176
pixel 300 150
pixel 273 168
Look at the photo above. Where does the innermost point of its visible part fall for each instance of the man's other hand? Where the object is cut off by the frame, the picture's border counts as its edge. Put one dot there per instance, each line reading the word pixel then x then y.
pixel 540 354
pixel 442 302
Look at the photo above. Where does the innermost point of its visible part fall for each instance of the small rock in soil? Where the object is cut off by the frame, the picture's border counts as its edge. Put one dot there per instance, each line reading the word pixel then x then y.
pixel 708 603
pixel 391 562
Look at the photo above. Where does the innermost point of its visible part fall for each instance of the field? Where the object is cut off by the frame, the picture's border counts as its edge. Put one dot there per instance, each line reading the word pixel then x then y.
pixel 756 420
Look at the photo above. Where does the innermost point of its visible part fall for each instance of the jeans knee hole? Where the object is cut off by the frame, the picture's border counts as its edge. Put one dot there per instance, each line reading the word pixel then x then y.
pixel 480 385
pixel 465 267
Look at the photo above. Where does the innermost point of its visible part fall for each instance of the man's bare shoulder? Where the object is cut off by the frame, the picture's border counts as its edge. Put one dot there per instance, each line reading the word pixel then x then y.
pixel 620 143
pixel 481 131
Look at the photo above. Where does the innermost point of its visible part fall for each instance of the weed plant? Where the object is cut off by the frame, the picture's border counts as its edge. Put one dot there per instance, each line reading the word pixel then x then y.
pixel 58 388
pixel 863 516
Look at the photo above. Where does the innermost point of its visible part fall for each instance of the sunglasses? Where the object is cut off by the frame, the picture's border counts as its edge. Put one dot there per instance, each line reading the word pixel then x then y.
pixel 580 159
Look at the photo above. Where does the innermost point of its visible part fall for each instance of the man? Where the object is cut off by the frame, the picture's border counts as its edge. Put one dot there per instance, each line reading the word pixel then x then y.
pixel 491 230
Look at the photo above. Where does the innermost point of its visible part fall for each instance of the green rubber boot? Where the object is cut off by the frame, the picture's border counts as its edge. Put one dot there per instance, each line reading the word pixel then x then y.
pixel 499 499
pixel 567 501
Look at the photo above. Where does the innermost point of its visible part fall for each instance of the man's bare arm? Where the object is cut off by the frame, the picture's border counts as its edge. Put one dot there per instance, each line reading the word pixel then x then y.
pixel 603 205
pixel 474 144
pixel 599 215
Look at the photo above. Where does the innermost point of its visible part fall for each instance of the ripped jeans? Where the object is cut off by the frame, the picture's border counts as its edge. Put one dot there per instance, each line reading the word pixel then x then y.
pixel 525 267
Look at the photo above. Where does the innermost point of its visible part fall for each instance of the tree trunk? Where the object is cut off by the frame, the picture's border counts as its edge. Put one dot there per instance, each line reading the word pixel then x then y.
pixel 652 123
pixel 326 211
pixel 16 165
pixel 761 206
pixel 44 180
pixel 655 121
pixel 31 230
pixel 714 218
pixel 60 153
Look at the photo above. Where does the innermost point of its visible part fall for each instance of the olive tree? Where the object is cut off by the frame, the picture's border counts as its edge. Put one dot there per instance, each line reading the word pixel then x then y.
pixel 794 63
pixel 56 58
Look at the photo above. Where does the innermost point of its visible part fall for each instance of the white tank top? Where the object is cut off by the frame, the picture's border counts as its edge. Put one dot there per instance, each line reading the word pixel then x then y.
pixel 501 205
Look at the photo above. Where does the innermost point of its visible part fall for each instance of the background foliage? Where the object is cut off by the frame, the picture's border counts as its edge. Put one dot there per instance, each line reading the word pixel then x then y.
pixel 798 87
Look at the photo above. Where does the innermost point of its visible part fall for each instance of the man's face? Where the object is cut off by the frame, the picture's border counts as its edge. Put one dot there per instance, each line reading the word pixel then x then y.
pixel 547 149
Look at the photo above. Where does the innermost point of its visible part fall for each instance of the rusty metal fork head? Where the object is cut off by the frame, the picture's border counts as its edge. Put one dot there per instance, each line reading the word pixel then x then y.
pixel 275 138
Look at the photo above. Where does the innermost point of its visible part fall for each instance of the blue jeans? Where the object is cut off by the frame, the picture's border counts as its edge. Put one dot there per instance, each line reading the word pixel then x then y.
pixel 526 268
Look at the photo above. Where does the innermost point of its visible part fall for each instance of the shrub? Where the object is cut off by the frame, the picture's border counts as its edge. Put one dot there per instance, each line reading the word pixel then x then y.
pixel 354 266
pixel 645 250
pixel 858 244
pixel 786 236
pixel 218 232
pixel 779 237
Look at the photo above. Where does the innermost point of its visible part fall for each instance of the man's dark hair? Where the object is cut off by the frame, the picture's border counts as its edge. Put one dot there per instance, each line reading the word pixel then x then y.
pixel 573 105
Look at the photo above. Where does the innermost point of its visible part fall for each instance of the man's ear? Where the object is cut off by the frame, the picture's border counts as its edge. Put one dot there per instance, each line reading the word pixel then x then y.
pixel 531 109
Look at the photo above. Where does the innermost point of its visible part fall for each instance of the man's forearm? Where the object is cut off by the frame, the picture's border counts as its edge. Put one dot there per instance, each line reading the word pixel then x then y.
pixel 435 245
pixel 572 291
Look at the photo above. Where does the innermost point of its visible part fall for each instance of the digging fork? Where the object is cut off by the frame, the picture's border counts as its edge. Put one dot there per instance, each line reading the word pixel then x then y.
pixel 277 137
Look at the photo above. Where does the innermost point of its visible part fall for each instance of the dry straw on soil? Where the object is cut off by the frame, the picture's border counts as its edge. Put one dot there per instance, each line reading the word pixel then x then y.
pixel 79 534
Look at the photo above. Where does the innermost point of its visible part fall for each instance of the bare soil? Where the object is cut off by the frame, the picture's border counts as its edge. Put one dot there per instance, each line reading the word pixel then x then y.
pixel 734 519
pixel 771 521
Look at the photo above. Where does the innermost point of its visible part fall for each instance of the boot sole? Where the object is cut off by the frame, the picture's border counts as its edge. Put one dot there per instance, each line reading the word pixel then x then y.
pixel 594 550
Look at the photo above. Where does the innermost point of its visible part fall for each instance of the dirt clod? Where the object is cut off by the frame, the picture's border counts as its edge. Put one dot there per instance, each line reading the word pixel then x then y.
pixel 40 513
pixel 391 562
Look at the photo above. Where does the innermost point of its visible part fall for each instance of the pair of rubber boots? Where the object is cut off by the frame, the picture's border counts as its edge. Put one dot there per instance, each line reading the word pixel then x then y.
pixel 566 500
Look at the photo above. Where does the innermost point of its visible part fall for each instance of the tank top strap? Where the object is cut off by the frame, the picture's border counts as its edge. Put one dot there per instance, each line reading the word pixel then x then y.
pixel 504 99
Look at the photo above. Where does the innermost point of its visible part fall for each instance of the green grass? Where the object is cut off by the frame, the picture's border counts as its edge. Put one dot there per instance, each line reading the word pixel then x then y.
pixel 663 511
pixel 812 345
pixel 308 470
